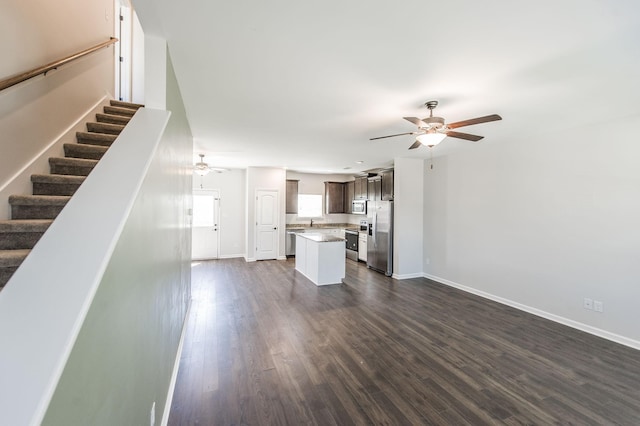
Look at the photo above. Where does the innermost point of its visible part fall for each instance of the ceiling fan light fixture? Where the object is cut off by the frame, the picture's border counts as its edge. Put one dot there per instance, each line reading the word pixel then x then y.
pixel 201 170
pixel 201 167
pixel 431 139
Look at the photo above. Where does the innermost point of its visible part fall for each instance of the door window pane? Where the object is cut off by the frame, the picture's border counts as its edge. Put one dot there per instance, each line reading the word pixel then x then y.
pixel 202 210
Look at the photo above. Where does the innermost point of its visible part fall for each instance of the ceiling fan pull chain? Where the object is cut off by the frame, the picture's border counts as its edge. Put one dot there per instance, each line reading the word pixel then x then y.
pixel 431 156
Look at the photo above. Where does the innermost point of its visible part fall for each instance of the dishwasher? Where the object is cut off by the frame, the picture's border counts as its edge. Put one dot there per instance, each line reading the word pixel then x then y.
pixel 290 242
pixel 351 242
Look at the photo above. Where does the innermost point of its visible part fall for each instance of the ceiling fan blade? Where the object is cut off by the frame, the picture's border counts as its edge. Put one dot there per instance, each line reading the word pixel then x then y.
pixel 393 136
pixel 415 145
pixel 466 136
pixel 485 119
pixel 415 120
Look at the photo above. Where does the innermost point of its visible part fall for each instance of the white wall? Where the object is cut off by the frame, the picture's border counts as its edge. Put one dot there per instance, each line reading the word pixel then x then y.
pixel 408 180
pixel 232 230
pixel 36 113
pixel 313 183
pixel 264 178
pixel 543 221
pixel 155 58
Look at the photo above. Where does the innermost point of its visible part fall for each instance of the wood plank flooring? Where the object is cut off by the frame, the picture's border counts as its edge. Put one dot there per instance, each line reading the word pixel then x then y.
pixel 265 346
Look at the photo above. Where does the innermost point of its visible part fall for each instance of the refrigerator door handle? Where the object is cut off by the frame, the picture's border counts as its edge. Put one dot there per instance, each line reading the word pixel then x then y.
pixel 375 227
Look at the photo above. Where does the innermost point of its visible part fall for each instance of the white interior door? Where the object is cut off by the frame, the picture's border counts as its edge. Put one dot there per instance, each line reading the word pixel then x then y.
pixel 123 53
pixel 267 219
pixel 205 229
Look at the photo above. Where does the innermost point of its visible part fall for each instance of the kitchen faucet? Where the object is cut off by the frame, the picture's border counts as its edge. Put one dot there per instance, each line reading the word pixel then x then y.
pixel 311 226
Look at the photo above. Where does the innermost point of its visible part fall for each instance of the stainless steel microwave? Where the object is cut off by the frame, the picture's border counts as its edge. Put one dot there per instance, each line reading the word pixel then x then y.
pixel 359 207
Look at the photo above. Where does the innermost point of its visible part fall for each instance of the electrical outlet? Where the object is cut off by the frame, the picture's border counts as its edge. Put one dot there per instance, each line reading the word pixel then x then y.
pixel 428 261
pixel 598 306
pixel 588 303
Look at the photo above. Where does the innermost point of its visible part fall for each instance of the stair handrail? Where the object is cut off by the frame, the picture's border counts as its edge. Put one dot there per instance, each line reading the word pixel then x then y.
pixel 19 78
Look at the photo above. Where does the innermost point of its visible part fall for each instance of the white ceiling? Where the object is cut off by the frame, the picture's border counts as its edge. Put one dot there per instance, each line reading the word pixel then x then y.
pixel 304 85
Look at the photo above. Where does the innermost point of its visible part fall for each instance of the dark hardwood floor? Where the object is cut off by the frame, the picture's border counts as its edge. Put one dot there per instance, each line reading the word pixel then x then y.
pixel 265 346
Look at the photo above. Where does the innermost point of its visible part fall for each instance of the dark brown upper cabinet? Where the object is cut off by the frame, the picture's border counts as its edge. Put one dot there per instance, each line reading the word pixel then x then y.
pixel 386 177
pixel 374 185
pixel 349 195
pixel 360 188
pixel 334 197
pixel 292 197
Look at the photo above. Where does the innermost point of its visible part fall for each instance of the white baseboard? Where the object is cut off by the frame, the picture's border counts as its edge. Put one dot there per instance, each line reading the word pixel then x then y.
pixel 407 276
pixel 538 312
pixel 282 258
pixel 230 256
pixel 174 373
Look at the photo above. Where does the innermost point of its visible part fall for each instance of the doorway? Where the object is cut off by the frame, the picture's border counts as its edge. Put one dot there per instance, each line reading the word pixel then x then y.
pixel 267 220
pixel 123 31
pixel 205 232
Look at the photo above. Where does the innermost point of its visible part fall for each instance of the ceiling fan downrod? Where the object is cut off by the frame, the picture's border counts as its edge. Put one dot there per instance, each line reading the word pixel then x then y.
pixel 433 122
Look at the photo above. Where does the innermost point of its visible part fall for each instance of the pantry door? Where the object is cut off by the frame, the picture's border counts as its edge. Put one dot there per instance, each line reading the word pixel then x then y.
pixel 267 218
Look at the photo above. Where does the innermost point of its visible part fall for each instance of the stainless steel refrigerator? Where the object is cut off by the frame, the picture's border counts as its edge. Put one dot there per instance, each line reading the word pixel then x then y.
pixel 380 240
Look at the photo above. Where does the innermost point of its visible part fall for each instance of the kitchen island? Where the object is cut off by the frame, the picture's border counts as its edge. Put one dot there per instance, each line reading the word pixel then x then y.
pixel 320 257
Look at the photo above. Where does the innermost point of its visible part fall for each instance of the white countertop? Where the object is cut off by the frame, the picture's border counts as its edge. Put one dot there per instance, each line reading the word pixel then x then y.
pixel 319 238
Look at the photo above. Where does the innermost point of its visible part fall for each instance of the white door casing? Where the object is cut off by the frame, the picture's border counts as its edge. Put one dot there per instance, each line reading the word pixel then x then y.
pixel 205 231
pixel 267 220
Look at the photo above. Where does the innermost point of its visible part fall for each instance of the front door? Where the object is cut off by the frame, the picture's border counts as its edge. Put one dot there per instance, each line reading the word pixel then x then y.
pixel 205 230
pixel 267 219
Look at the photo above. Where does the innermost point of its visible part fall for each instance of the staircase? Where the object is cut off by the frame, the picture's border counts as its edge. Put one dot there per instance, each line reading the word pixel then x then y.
pixel 31 215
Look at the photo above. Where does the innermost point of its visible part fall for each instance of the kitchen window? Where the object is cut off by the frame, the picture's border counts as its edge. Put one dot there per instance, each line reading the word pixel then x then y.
pixel 309 205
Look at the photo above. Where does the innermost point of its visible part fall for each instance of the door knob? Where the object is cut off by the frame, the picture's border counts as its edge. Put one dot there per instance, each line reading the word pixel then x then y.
pixel 275 228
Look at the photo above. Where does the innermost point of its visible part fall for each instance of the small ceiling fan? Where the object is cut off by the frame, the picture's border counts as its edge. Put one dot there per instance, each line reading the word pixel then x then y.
pixel 432 130
pixel 203 168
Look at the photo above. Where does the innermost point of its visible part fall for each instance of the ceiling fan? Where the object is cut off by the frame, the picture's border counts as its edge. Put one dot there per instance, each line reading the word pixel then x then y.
pixel 203 168
pixel 432 130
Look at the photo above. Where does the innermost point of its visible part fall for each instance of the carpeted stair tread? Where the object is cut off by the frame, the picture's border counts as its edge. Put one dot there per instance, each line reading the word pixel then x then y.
pixel 37 206
pixel 22 233
pixel 56 184
pixel 113 119
pixel 127 112
pixel 58 179
pixel 76 161
pixel 111 129
pixel 71 166
pixel 25 225
pixel 86 151
pixel 39 200
pixel 92 138
pixel 122 104
pixel 10 258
